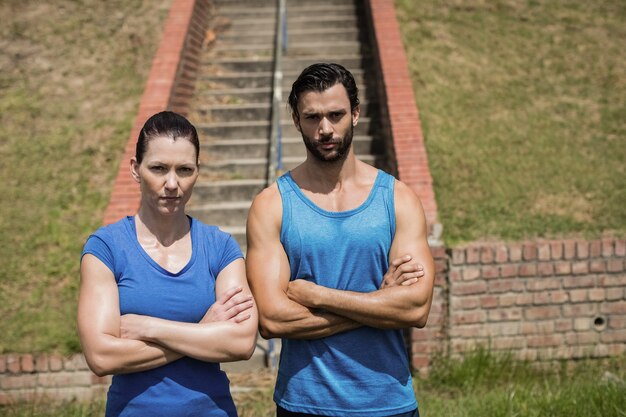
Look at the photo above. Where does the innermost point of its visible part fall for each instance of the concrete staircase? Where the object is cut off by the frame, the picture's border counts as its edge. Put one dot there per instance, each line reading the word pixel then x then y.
pixel 232 104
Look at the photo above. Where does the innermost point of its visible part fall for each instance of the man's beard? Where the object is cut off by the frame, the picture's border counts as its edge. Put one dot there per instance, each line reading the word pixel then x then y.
pixel 341 152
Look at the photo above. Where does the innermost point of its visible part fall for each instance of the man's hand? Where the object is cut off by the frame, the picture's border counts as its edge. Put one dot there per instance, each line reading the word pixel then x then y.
pixel 303 292
pixel 232 305
pixel 402 271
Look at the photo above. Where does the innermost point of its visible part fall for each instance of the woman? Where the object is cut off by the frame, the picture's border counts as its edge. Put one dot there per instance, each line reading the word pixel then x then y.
pixel 163 297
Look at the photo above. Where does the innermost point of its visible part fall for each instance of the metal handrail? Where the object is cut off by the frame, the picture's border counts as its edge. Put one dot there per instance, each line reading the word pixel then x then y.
pixel 275 162
pixel 275 157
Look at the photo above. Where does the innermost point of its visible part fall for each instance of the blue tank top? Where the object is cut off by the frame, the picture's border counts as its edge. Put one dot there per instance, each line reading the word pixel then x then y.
pixel 362 372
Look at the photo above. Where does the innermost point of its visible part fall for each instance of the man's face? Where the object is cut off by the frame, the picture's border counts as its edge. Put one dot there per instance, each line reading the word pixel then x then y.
pixel 326 123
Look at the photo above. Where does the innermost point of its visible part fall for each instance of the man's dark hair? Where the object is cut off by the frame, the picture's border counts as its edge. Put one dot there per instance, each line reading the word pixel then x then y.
pixel 320 77
pixel 168 124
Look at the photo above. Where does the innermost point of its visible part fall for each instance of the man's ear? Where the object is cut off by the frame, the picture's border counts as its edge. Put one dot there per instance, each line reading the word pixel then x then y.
pixel 134 169
pixel 355 115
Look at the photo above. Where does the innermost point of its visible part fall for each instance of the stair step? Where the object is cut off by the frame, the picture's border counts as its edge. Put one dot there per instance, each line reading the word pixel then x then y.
pixel 261 128
pixel 225 190
pixel 256 167
pixel 265 64
pixel 225 214
pixel 291 146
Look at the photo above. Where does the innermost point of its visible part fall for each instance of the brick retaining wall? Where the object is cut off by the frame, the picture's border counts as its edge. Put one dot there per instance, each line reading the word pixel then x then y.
pixel 540 300
pixel 170 86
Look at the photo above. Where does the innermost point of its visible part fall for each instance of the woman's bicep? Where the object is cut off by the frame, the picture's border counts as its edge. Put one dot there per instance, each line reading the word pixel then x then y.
pixel 98 302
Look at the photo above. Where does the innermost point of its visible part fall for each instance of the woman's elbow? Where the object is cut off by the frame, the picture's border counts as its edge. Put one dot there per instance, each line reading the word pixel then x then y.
pixel 99 364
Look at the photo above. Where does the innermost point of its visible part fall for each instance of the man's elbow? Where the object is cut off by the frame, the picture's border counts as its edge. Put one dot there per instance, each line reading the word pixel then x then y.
pixel 418 317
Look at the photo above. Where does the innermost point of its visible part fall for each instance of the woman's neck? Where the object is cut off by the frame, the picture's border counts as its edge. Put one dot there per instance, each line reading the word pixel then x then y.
pixel 166 229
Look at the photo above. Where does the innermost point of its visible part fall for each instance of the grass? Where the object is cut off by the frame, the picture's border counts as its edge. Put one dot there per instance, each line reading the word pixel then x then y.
pixel 481 385
pixel 71 75
pixel 522 106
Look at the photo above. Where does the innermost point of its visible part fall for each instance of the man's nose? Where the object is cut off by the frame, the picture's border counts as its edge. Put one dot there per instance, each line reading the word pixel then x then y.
pixel 326 127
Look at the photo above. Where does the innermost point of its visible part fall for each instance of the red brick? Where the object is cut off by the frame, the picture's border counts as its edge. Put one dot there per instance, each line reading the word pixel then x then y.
pixel 486 255
pixel 595 248
pixel 597 266
pixel 515 252
pixel 597 294
pixel 620 248
pixel 508 343
pixel 563 325
pixel 613 336
pixel 542 284
pixel 505 285
pixel 472 254
pixel 579 282
pixel 607 248
pixel 542 313
pixel 27 363
pixel 579 310
pixel 469 317
pixel 464 303
pixel 545 269
pixel 471 273
pixel 615 265
pixel 490 271
pixel 13 364
pixel 582 250
pixel 541 298
pixel 3 364
pixel 508 270
pixel 55 362
pixel 488 301
pixel 505 314
pixel 579 296
pixel 507 300
pixel 455 275
pixel 464 288
pixel 529 251
pixel 41 363
pixel 502 254
pixel 527 270
pixel 458 256
pixel 579 268
pixel 543 250
pixel 613 294
pixel 617 322
pixel 544 340
pixel 556 250
pixel 524 299
pixel 569 249
pixel 562 268
pixel 618 307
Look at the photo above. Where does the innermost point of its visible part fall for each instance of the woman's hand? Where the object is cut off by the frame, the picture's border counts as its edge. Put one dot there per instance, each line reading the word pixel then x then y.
pixel 232 305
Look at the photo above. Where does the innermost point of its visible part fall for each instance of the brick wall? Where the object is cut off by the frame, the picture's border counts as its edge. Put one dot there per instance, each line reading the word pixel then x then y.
pixel 36 377
pixel 169 86
pixel 540 300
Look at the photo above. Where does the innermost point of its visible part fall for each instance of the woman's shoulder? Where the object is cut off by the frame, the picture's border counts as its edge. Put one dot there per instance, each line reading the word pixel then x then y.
pixel 111 232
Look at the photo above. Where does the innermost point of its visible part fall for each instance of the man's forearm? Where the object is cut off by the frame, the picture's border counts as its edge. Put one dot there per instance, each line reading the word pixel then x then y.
pixel 389 308
pixel 304 323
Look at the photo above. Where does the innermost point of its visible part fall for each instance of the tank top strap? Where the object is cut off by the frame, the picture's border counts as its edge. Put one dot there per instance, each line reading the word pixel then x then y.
pixel 386 182
pixel 285 188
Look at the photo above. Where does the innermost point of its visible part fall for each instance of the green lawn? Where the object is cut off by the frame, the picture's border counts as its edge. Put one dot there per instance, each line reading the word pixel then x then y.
pixel 483 385
pixel 71 75
pixel 522 105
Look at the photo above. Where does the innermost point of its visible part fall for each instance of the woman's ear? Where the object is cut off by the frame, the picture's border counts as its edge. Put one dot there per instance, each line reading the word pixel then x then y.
pixel 134 169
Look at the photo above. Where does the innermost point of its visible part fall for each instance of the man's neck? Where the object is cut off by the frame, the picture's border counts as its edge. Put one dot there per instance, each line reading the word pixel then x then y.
pixel 324 177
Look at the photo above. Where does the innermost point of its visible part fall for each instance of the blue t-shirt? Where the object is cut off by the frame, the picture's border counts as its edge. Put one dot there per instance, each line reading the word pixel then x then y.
pixel 363 372
pixel 186 387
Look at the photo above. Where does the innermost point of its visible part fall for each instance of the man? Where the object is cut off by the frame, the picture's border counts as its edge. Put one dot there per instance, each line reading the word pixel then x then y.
pixel 319 241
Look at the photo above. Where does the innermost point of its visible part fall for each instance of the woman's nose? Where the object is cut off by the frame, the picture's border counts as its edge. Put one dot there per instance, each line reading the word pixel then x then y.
pixel 171 181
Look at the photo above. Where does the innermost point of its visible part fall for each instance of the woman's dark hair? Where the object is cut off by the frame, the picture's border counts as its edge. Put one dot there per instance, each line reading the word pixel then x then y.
pixel 320 77
pixel 168 124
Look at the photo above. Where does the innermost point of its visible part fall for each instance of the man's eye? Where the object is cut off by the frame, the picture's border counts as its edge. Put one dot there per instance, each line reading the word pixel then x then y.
pixel 157 168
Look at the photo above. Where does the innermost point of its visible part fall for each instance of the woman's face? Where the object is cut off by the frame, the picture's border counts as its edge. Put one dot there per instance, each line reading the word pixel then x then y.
pixel 166 174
